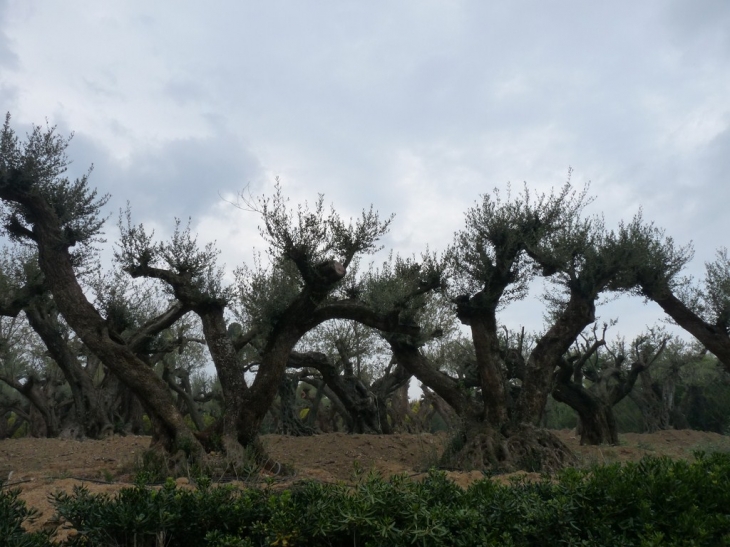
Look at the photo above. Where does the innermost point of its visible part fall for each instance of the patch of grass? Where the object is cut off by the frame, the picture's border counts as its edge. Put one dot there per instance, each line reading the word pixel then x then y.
pixel 151 467
pixel 711 447
pixel 643 445
pixel 108 475
pixel 242 466
pixel 589 460
pixel 428 456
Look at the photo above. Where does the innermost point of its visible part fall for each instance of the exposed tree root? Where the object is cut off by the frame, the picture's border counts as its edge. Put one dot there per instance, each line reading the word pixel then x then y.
pixel 267 463
pixel 521 448
pixel 223 456
pixel 244 461
pixel 236 462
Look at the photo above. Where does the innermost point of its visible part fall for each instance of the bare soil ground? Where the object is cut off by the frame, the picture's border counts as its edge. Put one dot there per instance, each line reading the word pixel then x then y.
pixel 44 466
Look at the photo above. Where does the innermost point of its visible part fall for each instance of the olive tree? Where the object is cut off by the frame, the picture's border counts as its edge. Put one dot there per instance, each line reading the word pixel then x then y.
pixel 505 244
pixel 354 368
pixel 301 285
pixel 61 220
pixel 592 383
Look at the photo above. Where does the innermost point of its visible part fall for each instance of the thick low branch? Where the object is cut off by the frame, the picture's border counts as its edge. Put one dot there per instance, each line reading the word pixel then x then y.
pixel 182 286
pixel 445 386
pixel 714 338
pixel 157 324
pixel 357 311
pixel 13 301
pixel 56 263
pixel 240 342
pixel 359 402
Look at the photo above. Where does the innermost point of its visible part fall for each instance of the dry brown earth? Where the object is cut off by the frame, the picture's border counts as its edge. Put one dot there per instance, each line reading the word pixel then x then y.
pixel 43 466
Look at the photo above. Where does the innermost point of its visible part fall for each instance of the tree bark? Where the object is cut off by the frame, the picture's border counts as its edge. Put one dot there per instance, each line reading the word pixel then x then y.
pixel 183 392
pixel 544 358
pixel 654 402
pixel 486 346
pixel 384 387
pixel 411 358
pixel 255 402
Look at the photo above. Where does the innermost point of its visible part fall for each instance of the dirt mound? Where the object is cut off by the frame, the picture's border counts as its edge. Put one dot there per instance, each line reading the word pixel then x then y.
pixel 43 466
pixel 338 457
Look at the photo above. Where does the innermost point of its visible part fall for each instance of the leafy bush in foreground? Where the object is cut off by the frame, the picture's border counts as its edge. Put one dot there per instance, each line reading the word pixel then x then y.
pixel 13 513
pixel 167 516
pixel 654 502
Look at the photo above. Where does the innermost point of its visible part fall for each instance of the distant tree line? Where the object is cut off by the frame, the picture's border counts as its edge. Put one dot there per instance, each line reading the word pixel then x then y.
pixel 309 339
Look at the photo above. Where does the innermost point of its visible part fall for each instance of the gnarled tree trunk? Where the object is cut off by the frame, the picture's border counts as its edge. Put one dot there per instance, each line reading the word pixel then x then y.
pixel 597 424
pixel 56 264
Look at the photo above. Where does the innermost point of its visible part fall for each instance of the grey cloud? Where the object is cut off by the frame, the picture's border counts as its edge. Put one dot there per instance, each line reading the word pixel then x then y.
pixel 184 91
pixel 699 21
pixel 8 58
pixel 8 97
pixel 180 178
pixel 379 86
pixel 710 190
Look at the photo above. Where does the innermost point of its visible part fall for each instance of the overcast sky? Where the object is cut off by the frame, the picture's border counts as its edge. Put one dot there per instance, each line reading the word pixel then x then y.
pixel 417 107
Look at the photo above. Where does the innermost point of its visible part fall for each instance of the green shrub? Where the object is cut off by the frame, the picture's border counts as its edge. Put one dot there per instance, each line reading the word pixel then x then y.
pixel 13 513
pixel 145 516
pixel 654 502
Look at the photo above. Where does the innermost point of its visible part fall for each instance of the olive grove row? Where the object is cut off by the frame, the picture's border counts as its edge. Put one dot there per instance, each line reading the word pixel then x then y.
pixel 123 343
